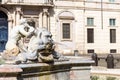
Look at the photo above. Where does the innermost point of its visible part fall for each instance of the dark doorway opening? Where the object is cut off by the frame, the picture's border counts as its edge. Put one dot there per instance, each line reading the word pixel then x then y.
pixel 3 30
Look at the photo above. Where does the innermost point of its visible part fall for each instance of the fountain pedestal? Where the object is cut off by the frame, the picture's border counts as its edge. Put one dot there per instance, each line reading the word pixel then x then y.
pixel 77 68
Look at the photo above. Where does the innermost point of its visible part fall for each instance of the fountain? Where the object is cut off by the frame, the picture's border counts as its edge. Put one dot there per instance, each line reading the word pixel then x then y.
pixel 39 60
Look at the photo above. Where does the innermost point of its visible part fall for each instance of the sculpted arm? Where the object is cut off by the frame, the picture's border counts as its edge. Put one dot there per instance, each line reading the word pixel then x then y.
pixel 24 32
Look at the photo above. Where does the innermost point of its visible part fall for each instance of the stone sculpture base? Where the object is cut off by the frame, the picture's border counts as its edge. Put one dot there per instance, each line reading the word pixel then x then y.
pixel 77 68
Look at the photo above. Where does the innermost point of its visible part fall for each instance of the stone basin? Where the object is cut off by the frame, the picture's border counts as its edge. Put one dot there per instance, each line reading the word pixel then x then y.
pixel 76 68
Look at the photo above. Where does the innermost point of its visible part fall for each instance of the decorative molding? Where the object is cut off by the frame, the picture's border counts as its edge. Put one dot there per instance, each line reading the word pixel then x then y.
pixel 88 8
pixel 66 17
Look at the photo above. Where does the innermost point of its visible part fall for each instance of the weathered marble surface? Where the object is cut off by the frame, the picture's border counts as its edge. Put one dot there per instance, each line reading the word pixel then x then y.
pixel 40 48
pixel 77 68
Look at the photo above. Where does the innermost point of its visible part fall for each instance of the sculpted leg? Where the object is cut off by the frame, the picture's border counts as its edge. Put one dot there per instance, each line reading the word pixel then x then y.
pixel 24 57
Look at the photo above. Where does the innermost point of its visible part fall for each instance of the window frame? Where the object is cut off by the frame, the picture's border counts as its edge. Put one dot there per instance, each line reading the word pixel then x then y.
pixel 89 51
pixel 91 23
pixel 113 51
pixel 112 37
pixel 61 30
pixel 111 1
pixel 88 40
pixel 112 22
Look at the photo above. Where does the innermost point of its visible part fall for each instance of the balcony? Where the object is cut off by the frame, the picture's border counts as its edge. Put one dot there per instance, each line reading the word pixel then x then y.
pixel 27 2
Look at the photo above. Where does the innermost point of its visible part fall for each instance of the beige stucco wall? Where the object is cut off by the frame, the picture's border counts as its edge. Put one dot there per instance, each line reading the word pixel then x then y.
pixel 80 10
pixel 83 10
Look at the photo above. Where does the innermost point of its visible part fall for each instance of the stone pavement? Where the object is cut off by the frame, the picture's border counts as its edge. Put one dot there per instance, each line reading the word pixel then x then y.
pixel 102 73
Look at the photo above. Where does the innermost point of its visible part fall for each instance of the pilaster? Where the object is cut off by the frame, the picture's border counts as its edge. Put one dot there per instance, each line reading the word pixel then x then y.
pixel 18 14
pixel 40 19
pixel 10 24
pixel 45 18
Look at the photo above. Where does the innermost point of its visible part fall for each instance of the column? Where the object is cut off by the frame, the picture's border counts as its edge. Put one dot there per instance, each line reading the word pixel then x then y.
pixel 48 23
pixel 18 13
pixel 10 24
pixel 14 18
pixel 40 19
pixel 45 18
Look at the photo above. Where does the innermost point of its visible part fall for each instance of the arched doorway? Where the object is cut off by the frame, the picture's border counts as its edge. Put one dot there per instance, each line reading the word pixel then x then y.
pixel 3 30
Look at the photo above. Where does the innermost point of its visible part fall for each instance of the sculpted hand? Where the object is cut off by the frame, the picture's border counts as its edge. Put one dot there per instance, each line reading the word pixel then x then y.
pixel 48 46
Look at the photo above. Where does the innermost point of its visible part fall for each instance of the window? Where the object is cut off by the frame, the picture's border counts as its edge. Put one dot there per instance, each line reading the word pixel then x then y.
pixel 112 35
pixel 90 51
pixel 90 35
pixel 111 0
pixel 112 22
pixel 66 30
pixel 113 51
pixel 66 19
pixel 90 21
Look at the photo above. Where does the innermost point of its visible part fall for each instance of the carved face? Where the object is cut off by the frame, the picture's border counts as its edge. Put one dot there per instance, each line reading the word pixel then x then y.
pixel 46 37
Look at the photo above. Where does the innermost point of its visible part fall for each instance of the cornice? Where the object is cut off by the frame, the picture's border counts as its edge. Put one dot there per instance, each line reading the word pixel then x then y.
pixel 98 2
pixel 87 8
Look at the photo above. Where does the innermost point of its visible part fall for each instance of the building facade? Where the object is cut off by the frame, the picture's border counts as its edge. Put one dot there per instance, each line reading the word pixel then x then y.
pixel 89 26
